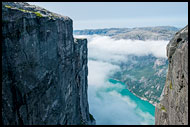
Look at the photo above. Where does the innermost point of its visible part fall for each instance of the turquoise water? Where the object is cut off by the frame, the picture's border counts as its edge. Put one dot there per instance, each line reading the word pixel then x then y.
pixel 113 104
pixel 145 106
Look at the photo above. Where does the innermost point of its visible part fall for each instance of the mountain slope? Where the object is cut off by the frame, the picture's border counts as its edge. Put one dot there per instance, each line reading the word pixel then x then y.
pixel 138 33
pixel 144 76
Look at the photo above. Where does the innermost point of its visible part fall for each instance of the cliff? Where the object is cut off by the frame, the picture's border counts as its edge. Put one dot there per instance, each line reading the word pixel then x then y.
pixel 173 108
pixel 44 69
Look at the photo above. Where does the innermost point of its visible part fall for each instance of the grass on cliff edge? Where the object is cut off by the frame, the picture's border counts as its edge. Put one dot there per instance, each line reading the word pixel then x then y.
pixel 37 13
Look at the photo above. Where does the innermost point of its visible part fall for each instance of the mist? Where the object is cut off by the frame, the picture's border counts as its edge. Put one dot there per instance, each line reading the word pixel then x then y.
pixel 106 103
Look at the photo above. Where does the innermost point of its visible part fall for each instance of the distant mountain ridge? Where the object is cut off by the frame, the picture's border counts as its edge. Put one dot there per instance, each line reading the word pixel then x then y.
pixel 137 33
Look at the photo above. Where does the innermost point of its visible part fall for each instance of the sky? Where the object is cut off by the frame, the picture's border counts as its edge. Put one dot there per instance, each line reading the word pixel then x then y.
pixel 95 15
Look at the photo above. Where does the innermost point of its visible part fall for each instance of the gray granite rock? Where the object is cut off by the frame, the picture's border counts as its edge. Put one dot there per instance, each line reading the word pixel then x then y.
pixel 44 69
pixel 173 108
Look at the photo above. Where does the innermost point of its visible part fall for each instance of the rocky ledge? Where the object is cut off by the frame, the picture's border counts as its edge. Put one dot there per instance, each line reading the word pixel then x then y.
pixel 44 68
pixel 173 108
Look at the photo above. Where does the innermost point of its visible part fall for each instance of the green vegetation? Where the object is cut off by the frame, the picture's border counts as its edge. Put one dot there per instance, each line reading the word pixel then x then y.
pixel 91 117
pixel 163 108
pixel 23 10
pixel 26 11
pixel 8 6
pixel 142 77
pixel 38 14
pixel 170 84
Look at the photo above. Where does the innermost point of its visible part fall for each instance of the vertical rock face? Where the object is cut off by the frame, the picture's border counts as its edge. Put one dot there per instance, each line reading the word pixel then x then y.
pixel 44 69
pixel 173 108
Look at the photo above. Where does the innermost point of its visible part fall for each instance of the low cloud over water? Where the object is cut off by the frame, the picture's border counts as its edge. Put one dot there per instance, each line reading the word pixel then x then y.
pixel 106 103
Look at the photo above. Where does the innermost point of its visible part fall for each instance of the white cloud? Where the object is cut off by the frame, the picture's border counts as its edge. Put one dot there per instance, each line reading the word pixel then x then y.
pixel 109 107
pixel 124 98
pixel 99 71
pixel 147 118
pixel 106 103
pixel 107 49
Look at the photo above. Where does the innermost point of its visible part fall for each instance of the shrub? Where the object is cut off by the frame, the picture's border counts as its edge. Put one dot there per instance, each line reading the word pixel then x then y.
pixel 163 108
pixel 8 6
pixel 170 84
pixel 38 14
pixel 23 10
pixel 91 117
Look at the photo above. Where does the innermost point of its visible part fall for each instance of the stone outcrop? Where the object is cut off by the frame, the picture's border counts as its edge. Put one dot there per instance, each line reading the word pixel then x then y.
pixel 173 108
pixel 44 69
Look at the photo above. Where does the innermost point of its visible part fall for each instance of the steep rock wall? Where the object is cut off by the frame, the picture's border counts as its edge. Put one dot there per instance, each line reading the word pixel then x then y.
pixel 173 108
pixel 44 68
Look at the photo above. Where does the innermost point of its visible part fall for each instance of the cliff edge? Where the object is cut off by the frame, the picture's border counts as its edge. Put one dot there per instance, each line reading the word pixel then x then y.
pixel 173 107
pixel 44 69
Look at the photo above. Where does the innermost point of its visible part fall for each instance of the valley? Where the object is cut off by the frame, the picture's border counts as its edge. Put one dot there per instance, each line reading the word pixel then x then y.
pixel 142 70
